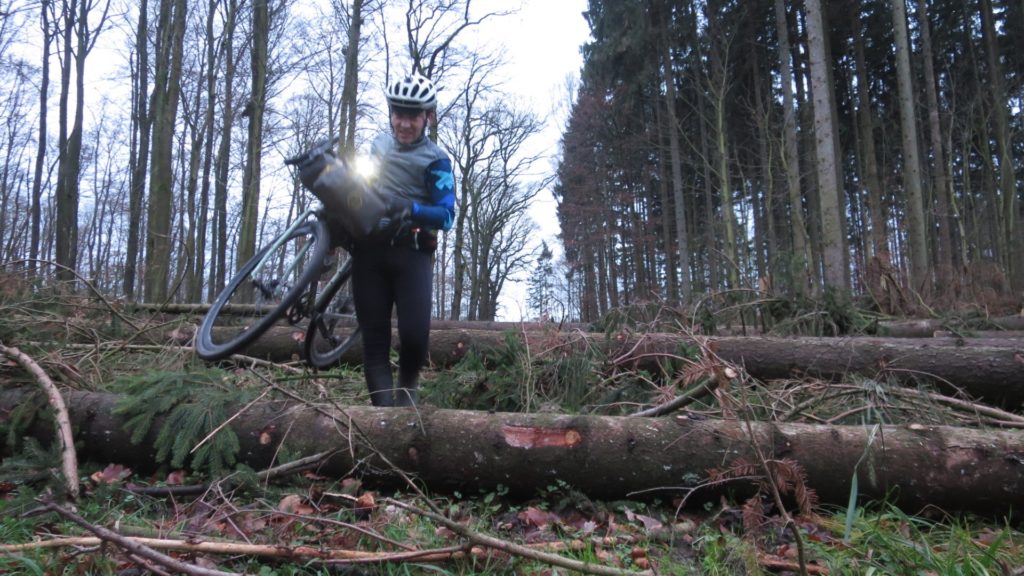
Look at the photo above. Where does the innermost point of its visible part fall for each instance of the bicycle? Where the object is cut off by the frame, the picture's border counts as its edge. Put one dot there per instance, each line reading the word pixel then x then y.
pixel 283 280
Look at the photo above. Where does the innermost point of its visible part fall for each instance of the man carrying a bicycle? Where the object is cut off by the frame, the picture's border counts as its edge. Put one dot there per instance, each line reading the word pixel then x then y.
pixel 393 265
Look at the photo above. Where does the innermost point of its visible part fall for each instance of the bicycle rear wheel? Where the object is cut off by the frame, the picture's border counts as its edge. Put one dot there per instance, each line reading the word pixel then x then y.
pixel 264 290
pixel 333 328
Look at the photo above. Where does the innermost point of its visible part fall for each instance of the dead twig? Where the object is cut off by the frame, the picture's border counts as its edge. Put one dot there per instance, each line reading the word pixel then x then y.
pixel 69 459
pixel 679 401
pixel 516 549
pixel 131 545
pixel 136 544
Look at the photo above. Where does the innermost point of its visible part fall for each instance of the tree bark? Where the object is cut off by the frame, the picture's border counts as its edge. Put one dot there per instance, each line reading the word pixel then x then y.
pixel 601 456
pixel 869 160
pixel 991 370
pixel 164 107
pixel 219 259
pixel 791 158
pixel 68 159
pixel 829 193
pixel 675 160
pixel 917 237
pixel 254 146
pixel 939 170
pixel 1012 241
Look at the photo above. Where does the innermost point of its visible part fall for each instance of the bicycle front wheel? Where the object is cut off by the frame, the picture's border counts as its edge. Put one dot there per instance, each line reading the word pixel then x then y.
pixel 264 290
pixel 333 328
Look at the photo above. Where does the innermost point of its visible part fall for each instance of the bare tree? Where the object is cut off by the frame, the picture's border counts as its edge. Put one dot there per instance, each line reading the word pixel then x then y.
pixel 349 91
pixel 468 137
pixel 497 191
pixel 222 160
pixel 78 39
pixel 138 153
pixel 44 94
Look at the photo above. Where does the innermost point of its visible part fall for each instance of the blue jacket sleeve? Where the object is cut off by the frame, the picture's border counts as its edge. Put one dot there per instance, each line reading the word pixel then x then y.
pixel 440 183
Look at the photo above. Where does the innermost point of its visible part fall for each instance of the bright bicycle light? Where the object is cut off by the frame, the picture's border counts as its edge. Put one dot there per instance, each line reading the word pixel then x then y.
pixel 366 167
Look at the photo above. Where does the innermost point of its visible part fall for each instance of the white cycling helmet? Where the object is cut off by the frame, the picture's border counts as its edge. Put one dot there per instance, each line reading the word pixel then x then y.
pixel 413 91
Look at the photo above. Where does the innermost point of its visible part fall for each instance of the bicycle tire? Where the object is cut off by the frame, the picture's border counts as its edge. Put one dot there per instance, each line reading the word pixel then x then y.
pixel 333 327
pixel 268 302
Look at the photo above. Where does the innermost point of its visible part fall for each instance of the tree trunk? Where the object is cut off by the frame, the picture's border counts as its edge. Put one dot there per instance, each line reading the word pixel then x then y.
pixel 927 328
pixel 349 92
pixel 44 95
pixel 718 87
pixel 675 161
pixel 68 159
pixel 791 159
pixel 917 237
pixel 254 146
pixel 869 159
pixel 992 370
pixel 139 152
pixel 829 194
pixel 214 56
pixel 223 161
pixel 672 288
pixel 166 88
pixel 1012 240
pixel 940 177
pixel 601 456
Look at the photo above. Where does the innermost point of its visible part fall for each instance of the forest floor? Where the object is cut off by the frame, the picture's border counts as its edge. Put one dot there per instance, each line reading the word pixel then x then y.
pixel 209 516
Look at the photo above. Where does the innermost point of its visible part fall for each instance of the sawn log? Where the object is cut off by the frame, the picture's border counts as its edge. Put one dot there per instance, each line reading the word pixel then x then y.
pixel 927 327
pixel 601 456
pixel 990 370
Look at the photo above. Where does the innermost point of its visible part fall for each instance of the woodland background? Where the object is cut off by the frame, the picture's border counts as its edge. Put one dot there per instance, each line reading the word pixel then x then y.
pixel 797 148
pixel 767 148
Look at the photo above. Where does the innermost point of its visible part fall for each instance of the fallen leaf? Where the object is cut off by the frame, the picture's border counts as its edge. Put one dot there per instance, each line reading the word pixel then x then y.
pixel 181 336
pixel 112 474
pixel 294 504
pixel 176 478
pixel 648 522
pixel 366 501
pixel 445 532
pixel 267 435
pixel 536 517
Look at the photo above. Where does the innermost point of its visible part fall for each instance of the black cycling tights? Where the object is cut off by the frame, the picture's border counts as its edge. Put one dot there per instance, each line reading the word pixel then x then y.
pixel 383 276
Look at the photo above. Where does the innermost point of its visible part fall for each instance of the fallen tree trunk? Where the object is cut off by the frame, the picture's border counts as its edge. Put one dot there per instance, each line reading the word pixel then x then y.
pixel 990 370
pixel 438 324
pixel 926 328
pixel 602 456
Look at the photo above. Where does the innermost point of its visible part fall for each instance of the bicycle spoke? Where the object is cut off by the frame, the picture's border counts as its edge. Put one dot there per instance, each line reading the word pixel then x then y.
pixel 265 289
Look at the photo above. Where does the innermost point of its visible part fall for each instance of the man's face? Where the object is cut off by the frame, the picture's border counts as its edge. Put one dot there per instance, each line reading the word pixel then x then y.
pixel 408 124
